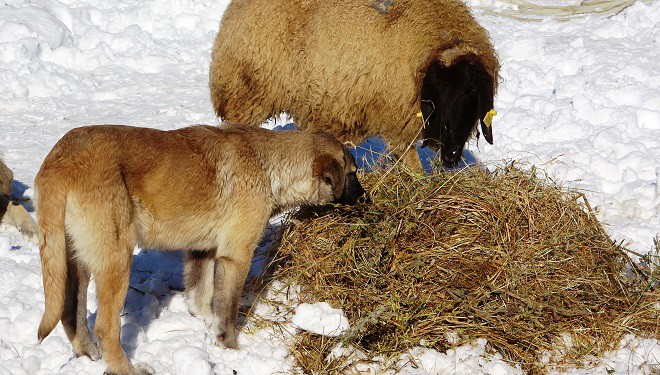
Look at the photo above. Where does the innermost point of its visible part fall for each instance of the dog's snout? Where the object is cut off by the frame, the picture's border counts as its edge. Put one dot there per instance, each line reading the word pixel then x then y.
pixel 353 190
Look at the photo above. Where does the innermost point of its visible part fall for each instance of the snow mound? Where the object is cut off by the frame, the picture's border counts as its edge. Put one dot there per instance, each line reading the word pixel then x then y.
pixel 320 318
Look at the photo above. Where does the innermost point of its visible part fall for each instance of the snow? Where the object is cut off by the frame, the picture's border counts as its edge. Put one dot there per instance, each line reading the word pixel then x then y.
pixel 579 99
pixel 320 318
pixel 466 359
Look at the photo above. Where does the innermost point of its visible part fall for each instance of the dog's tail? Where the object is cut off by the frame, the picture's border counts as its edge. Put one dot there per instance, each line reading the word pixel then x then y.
pixel 52 247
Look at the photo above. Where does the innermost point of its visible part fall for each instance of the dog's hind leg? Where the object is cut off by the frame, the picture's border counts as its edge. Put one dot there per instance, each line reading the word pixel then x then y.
pixel 111 285
pixel 198 271
pixel 102 228
pixel 74 316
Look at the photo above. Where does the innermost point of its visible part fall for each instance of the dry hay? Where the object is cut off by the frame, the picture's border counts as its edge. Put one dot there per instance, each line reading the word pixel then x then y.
pixel 506 255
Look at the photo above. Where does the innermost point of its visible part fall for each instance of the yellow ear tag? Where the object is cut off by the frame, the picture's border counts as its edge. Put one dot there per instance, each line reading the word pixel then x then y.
pixel 488 119
pixel 419 114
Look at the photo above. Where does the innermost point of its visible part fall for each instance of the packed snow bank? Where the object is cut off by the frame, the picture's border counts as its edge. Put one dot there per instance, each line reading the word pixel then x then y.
pixel 580 99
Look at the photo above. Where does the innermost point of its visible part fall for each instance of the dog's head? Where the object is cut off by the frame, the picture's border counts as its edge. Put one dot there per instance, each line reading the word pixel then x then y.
pixel 335 172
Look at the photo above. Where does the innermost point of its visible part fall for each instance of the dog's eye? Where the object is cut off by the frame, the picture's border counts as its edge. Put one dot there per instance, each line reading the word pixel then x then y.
pixel 328 180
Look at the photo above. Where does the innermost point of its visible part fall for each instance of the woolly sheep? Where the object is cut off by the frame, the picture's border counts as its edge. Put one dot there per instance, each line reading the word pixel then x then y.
pixel 358 68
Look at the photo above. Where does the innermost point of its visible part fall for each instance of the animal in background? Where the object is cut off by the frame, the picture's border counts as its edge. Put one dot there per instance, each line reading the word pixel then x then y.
pixel 104 189
pixel 358 68
pixel 11 211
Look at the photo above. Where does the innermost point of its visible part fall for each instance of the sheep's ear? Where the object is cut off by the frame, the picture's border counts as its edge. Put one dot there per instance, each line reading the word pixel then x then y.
pixel 330 172
pixel 487 130
pixel 486 110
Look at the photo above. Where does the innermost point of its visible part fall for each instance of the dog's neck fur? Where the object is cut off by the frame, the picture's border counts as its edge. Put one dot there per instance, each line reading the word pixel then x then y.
pixel 290 186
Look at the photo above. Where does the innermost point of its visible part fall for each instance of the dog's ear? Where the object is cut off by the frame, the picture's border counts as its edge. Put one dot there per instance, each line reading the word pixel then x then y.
pixel 330 172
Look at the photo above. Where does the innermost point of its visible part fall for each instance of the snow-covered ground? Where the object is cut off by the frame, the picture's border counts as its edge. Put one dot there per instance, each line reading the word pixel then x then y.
pixel 580 99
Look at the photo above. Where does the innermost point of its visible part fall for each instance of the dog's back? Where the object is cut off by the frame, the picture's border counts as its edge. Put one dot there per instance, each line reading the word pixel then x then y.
pixel 154 179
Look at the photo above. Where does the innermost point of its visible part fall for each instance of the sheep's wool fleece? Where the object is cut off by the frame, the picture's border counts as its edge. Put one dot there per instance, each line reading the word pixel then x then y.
pixel 353 68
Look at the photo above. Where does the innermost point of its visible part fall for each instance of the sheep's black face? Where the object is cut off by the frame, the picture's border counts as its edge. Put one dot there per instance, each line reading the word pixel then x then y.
pixel 453 100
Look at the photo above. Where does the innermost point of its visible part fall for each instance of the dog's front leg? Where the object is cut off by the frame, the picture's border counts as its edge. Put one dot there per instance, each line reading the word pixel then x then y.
pixel 230 274
pixel 240 236
pixel 198 275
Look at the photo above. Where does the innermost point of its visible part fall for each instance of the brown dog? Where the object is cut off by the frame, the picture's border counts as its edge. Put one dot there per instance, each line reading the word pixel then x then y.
pixel 103 189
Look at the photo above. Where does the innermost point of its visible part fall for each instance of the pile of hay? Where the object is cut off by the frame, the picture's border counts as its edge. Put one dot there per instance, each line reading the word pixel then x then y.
pixel 507 256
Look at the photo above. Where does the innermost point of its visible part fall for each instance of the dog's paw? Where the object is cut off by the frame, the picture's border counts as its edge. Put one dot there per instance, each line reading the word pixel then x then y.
pixel 206 315
pixel 91 350
pixel 226 341
pixel 17 216
pixel 225 335
pixel 143 369
pixel 137 369
pixel 194 310
pixel 30 231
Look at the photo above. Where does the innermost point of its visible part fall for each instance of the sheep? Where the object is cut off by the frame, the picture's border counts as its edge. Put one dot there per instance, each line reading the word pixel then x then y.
pixel 358 68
